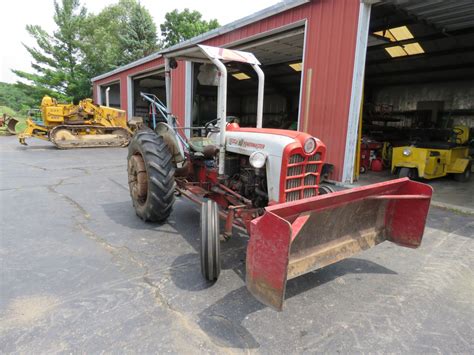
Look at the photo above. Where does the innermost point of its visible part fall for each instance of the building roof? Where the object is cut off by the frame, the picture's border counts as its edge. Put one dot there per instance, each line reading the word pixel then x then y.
pixel 257 16
pixel 444 15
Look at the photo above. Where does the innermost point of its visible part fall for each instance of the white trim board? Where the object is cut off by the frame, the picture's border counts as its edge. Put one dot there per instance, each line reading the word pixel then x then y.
pixel 356 96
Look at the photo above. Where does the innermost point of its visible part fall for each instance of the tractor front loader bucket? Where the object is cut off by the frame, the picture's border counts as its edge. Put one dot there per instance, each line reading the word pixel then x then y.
pixel 294 238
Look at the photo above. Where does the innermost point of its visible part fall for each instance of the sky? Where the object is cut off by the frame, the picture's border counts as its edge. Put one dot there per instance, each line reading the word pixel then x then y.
pixel 16 14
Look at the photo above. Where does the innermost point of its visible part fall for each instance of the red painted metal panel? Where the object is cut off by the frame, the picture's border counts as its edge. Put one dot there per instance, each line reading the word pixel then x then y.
pixel 330 49
pixel 178 79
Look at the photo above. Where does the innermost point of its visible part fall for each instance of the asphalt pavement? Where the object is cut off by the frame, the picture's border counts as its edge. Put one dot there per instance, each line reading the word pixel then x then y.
pixel 80 272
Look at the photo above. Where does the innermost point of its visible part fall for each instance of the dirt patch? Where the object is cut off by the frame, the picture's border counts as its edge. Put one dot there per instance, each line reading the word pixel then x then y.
pixel 26 311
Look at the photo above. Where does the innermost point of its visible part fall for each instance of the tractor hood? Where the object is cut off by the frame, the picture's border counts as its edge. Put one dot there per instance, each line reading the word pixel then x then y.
pixel 272 142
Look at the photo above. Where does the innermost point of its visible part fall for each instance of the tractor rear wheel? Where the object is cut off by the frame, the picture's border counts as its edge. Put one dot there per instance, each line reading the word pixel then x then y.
pixel 210 241
pixel 150 176
pixel 465 176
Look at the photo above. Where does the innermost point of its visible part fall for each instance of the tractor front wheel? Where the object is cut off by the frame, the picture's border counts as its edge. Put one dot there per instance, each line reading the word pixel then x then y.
pixel 210 242
pixel 465 176
pixel 150 176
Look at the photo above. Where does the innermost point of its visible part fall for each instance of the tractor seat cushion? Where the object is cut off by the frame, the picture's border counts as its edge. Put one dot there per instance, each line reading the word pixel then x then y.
pixel 197 144
pixel 436 145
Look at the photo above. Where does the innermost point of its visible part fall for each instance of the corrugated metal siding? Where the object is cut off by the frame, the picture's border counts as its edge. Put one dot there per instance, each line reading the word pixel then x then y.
pixel 268 24
pixel 330 48
pixel 178 79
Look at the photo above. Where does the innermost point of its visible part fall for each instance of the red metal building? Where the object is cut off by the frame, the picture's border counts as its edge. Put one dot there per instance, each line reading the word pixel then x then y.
pixel 333 35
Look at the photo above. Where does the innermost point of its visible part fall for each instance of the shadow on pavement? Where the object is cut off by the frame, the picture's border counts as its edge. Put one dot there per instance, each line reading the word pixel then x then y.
pixel 222 321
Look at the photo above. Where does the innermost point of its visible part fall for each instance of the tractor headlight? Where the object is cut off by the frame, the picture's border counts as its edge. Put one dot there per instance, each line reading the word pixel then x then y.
pixel 407 152
pixel 309 145
pixel 257 160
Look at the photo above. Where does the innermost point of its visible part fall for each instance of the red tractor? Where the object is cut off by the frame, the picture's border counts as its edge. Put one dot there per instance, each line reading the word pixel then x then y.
pixel 266 181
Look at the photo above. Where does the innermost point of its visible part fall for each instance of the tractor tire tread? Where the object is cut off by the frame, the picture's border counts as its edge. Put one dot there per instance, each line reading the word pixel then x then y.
pixel 160 170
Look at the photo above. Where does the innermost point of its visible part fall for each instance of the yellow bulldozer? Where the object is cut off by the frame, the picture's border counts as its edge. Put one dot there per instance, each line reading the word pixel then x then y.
pixel 84 125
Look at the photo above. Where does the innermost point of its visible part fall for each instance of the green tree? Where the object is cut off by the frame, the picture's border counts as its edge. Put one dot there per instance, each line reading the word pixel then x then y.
pixel 138 35
pixel 17 98
pixel 57 57
pixel 100 43
pixel 179 26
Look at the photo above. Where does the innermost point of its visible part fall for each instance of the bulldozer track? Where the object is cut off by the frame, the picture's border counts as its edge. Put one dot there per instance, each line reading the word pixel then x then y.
pixel 89 136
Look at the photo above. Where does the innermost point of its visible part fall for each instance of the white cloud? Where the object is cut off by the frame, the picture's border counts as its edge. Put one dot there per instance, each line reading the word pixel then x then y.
pixel 16 14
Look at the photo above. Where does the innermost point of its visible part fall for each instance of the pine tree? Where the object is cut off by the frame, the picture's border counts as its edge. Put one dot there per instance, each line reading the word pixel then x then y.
pixel 57 57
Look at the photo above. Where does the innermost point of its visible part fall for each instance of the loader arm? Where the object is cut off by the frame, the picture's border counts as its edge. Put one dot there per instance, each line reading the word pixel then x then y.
pixel 294 238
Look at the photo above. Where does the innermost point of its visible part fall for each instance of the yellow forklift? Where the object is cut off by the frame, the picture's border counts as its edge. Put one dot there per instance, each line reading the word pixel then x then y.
pixel 431 160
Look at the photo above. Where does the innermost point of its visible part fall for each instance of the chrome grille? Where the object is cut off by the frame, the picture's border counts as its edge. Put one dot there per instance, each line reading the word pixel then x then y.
pixel 296 158
pixel 302 176
pixel 311 168
pixel 295 170
pixel 309 193
pixel 293 183
pixel 316 157
pixel 292 196
pixel 310 180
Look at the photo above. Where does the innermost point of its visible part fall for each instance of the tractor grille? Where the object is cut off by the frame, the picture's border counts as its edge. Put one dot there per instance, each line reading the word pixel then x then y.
pixel 302 176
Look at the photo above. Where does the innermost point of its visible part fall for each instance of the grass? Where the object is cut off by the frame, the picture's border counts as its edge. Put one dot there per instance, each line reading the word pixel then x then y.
pixel 11 112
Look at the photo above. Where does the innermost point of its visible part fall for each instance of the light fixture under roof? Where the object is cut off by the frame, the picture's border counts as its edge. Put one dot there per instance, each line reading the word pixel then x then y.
pixel 404 50
pixel 295 66
pixel 396 34
pixel 401 33
pixel 413 48
pixel 241 76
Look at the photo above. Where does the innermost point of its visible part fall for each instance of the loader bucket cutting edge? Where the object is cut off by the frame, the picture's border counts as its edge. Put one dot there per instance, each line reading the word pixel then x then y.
pixel 294 238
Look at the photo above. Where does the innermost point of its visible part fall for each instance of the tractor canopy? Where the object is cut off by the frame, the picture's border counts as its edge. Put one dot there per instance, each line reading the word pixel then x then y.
pixel 293 238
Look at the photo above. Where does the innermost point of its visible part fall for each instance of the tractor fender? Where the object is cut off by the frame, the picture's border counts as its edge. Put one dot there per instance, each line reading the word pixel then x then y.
pixel 172 142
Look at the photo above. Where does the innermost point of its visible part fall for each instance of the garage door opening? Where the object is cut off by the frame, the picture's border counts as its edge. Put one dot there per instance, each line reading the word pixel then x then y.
pixel 110 93
pixel 418 90
pixel 281 58
pixel 151 84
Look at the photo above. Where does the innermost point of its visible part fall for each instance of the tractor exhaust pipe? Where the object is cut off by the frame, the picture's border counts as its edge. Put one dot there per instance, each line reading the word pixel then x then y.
pixel 221 112
pixel 261 85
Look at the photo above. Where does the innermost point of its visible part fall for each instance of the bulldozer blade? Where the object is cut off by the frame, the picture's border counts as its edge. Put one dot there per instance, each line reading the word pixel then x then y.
pixel 293 238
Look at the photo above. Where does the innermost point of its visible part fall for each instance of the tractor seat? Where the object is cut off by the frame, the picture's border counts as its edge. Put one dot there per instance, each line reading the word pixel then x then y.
pixel 437 145
pixel 198 144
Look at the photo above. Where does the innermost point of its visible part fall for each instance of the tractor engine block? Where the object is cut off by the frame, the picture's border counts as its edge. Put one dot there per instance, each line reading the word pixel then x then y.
pixel 246 180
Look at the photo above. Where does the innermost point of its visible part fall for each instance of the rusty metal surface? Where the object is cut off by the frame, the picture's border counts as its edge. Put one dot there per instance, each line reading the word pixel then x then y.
pixel 335 234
